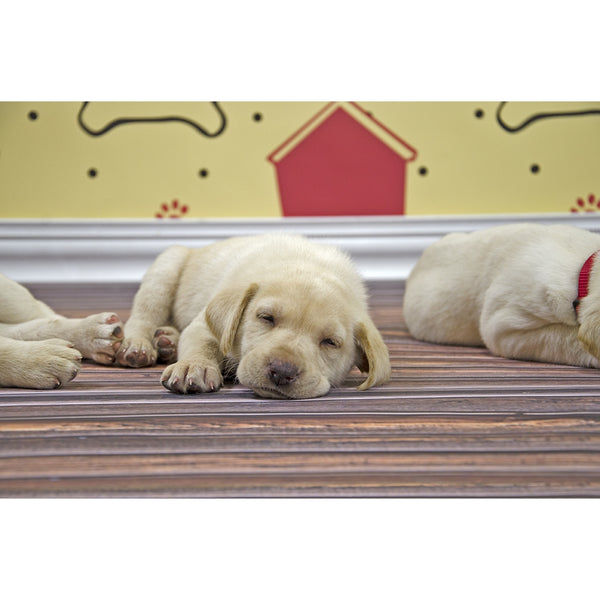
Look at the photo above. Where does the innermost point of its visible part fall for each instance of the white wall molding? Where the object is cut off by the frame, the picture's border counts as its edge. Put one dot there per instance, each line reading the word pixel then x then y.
pixel 384 248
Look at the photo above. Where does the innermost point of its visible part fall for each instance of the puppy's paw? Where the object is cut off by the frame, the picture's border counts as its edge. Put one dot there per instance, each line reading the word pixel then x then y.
pixel 99 337
pixel 136 353
pixel 187 377
pixel 43 365
pixel 165 343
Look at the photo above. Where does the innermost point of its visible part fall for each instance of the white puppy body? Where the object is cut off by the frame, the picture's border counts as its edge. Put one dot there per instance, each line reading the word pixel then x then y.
pixel 287 316
pixel 41 349
pixel 510 288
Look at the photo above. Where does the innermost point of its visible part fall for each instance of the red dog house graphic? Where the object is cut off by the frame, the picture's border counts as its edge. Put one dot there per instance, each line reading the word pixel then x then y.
pixel 342 162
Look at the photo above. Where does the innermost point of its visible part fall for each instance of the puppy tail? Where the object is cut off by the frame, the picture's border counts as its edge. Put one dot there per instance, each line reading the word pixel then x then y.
pixel 372 355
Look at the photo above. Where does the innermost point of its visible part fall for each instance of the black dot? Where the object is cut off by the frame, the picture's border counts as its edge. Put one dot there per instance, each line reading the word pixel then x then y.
pixel 535 168
pixel 479 113
pixel 257 117
pixel 423 171
pixel 203 173
pixel 32 115
pixel 92 173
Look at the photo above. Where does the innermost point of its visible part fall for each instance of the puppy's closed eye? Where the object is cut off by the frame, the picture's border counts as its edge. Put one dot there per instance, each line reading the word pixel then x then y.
pixel 266 317
pixel 331 342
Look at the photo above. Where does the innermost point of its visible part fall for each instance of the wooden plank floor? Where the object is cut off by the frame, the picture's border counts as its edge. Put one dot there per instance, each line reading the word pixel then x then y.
pixel 453 422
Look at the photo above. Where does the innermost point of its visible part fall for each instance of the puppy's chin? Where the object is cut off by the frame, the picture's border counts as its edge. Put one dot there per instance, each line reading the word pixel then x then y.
pixel 272 393
pixel 288 392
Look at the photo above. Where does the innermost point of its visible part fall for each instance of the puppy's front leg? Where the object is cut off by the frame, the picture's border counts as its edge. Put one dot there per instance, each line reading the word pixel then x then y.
pixel 148 335
pixel 197 369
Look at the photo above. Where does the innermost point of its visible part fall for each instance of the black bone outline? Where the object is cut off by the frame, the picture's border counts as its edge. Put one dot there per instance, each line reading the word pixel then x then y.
pixel 539 116
pixel 124 121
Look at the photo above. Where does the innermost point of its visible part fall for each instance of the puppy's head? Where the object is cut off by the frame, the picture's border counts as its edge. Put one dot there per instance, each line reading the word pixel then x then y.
pixel 296 340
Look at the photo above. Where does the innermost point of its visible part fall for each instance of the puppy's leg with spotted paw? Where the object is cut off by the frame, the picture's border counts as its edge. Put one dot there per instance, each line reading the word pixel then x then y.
pixel 197 368
pixel 152 307
pixel 97 337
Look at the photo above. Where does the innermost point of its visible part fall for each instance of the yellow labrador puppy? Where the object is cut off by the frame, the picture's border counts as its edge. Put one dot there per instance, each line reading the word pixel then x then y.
pixel 530 292
pixel 287 316
pixel 43 350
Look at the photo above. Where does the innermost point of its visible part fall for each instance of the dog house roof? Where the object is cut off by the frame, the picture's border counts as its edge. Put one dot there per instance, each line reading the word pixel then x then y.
pixel 369 122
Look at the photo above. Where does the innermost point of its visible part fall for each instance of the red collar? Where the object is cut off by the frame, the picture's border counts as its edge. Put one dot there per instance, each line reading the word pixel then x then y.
pixel 584 279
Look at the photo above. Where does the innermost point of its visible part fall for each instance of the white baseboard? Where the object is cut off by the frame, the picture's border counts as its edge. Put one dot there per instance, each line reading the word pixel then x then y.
pixel 93 250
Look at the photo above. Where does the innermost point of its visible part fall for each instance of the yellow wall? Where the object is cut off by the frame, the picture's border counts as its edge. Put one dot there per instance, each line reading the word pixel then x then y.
pixel 466 161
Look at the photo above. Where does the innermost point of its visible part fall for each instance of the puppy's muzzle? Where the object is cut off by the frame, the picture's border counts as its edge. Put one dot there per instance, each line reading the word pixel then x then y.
pixel 281 372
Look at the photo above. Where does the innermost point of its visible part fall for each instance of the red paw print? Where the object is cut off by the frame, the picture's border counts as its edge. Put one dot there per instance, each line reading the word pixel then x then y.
pixel 174 210
pixel 592 204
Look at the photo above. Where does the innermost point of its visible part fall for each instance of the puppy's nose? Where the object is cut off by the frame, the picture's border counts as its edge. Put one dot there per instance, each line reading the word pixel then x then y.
pixel 281 372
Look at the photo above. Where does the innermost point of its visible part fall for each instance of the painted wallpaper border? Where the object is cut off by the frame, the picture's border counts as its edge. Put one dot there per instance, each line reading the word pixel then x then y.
pixel 93 250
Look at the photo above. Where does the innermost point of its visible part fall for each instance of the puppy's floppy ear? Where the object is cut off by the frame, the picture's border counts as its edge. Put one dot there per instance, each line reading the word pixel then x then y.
pixel 372 355
pixel 224 313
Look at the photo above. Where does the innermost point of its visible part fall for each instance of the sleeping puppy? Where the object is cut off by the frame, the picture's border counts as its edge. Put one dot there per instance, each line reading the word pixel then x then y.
pixel 288 317
pixel 529 292
pixel 40 349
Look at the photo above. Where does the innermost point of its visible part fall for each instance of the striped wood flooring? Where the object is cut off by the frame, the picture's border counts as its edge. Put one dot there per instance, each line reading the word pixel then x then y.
pixel 453 422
